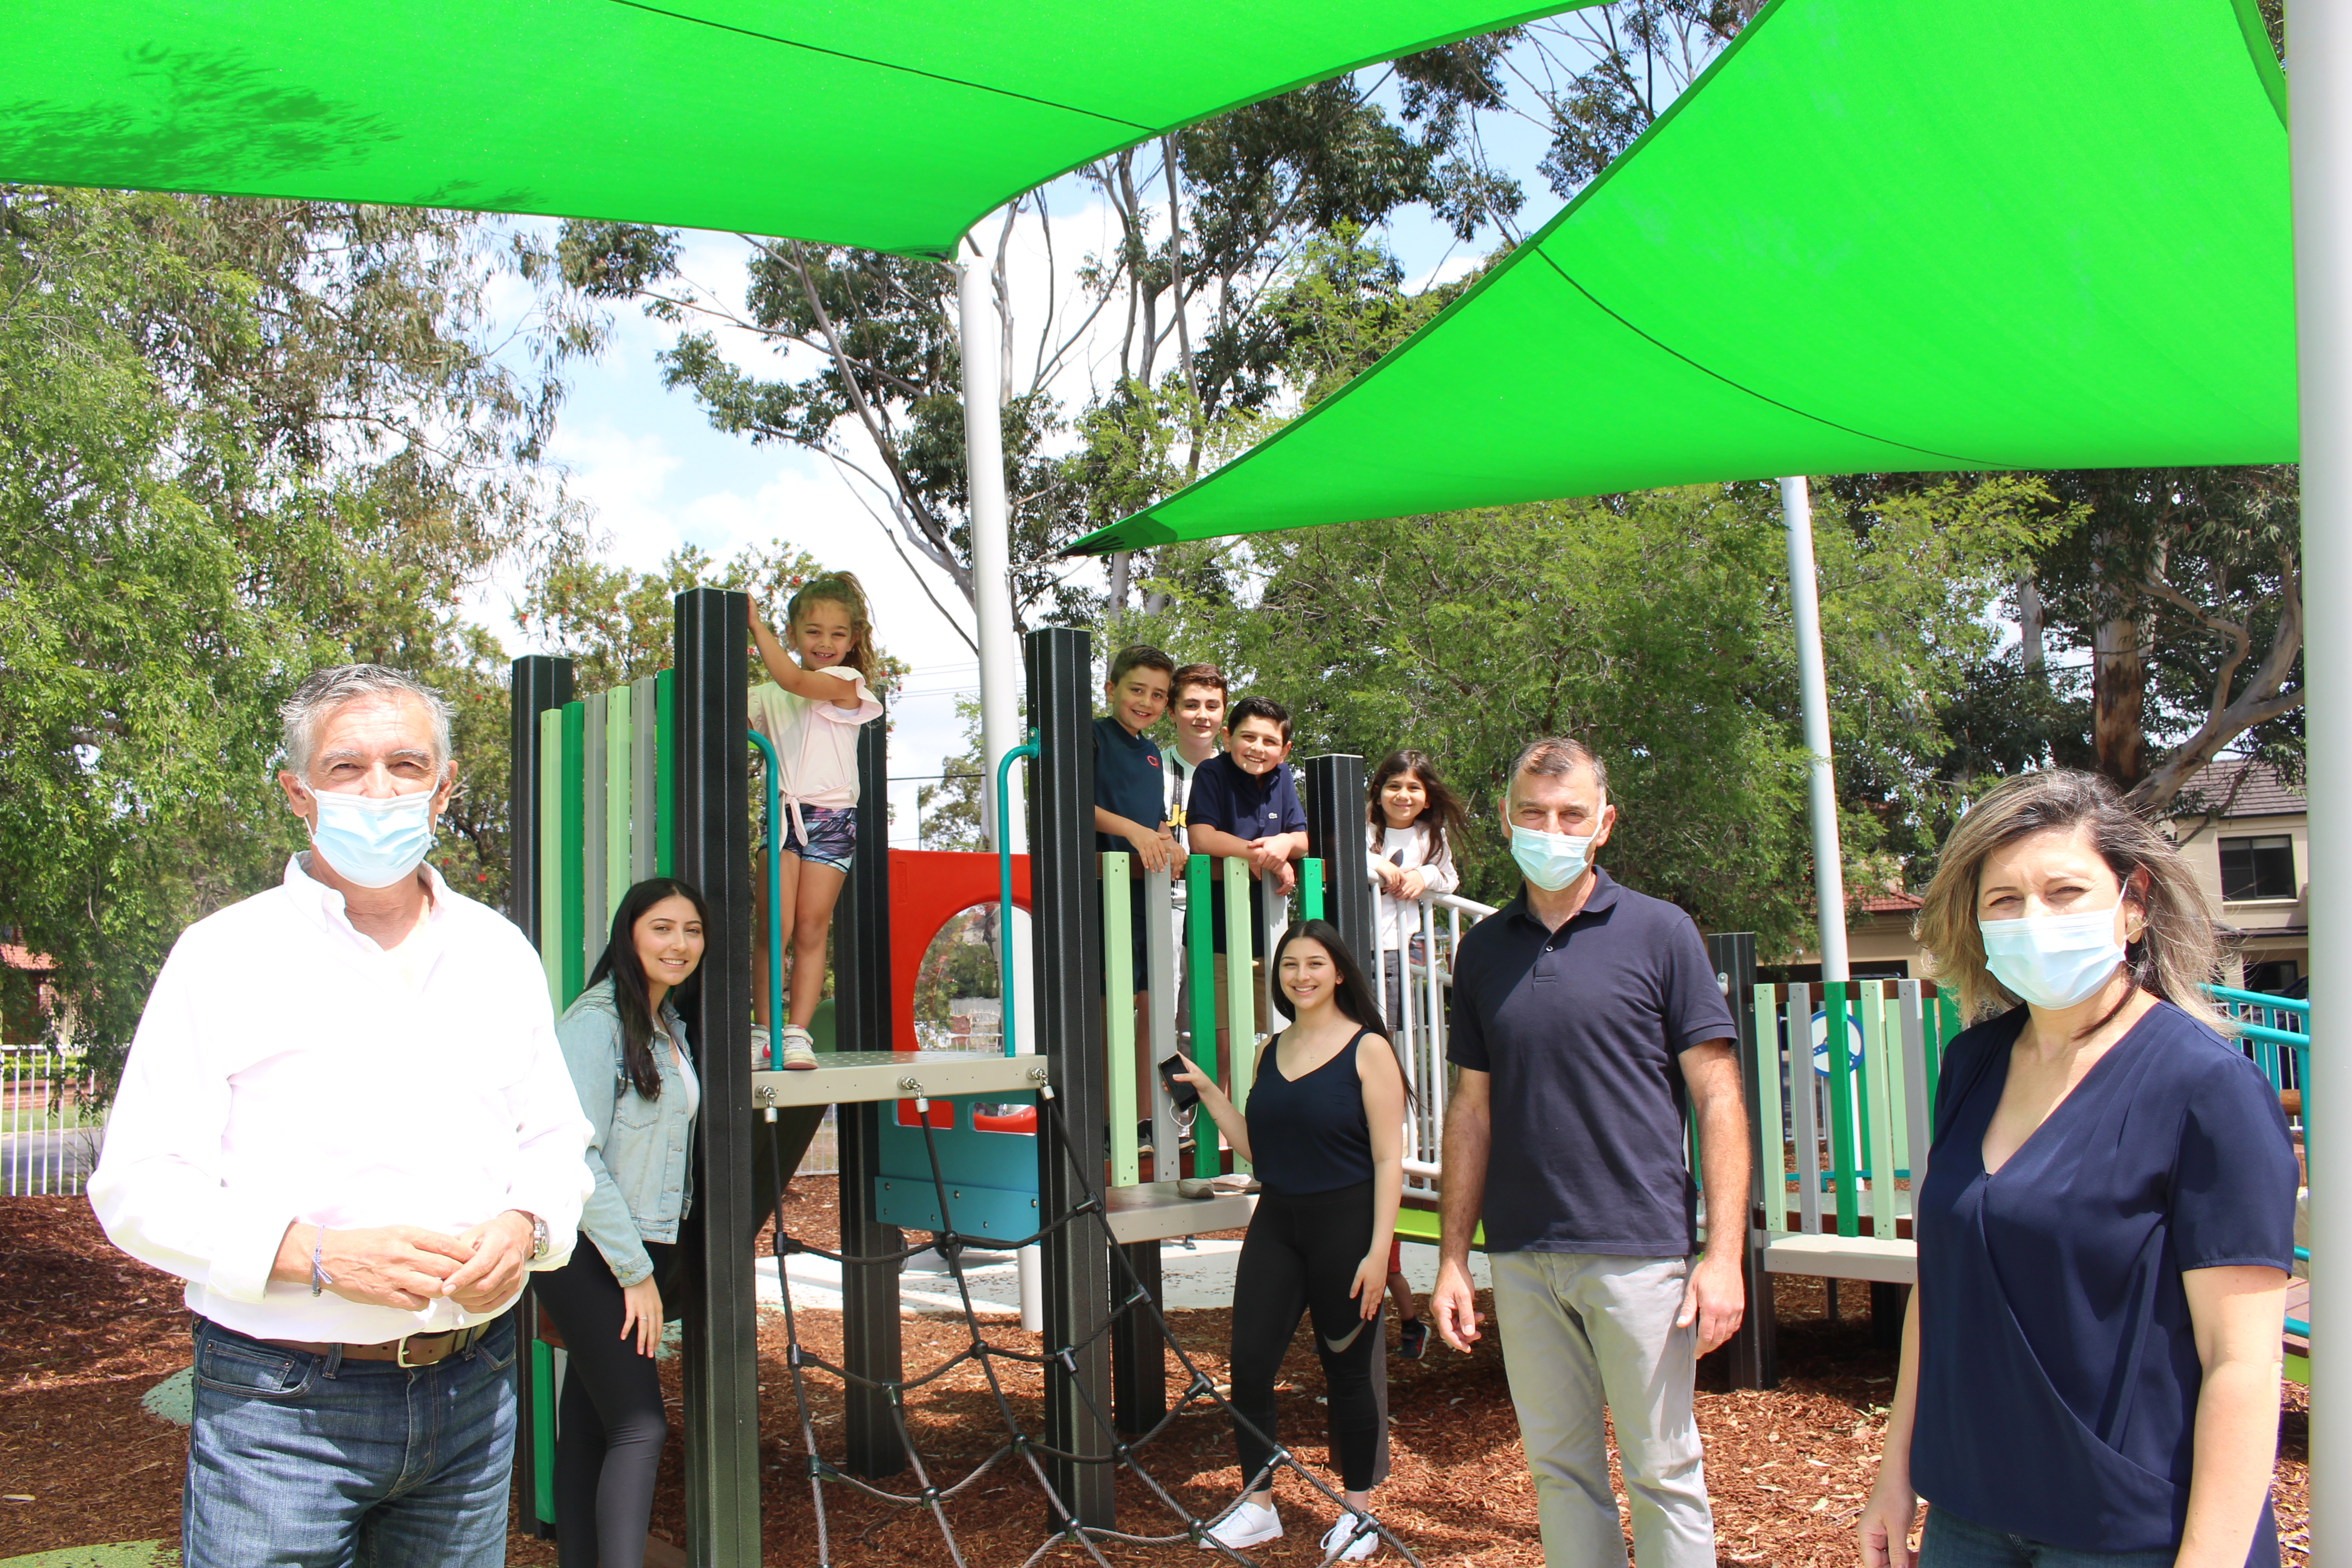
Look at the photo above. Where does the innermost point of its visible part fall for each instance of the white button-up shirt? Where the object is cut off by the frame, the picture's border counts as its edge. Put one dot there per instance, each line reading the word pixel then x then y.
pixel 289 1069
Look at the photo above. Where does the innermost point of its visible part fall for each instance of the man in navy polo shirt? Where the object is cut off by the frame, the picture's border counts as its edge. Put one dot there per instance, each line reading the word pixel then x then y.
pixel 1584 1016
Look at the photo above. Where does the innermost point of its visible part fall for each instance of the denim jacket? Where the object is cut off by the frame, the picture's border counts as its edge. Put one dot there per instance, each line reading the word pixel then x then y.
pixel 640 1151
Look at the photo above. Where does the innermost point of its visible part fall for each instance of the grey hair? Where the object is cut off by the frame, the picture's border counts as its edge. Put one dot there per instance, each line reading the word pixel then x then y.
pixel 1556 755
pixel 329 689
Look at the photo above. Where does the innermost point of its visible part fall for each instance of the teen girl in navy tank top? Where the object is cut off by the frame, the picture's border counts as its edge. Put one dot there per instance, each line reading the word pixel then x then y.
pixel 1325 1133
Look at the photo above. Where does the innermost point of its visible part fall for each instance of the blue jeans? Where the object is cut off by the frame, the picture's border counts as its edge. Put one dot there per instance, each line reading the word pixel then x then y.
pixel 312 1462
pixel 1952 1541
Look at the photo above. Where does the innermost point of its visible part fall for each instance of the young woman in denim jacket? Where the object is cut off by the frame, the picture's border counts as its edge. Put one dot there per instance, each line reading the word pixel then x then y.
pixel 634 1069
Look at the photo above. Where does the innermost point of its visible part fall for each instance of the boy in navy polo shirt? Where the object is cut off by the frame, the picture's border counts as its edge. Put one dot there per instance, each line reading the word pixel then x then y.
pixel 1243 805
pixel 1132 804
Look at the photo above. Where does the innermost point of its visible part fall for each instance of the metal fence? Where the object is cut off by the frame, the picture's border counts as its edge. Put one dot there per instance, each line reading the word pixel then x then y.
pixel 49 1126
pixel 1427 959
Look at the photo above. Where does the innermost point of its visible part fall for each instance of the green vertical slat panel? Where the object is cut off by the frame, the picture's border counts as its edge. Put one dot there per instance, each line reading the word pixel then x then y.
pixel 543 1430
pixel 666 773
pixel 575 725
pixel 1770 1144
pixel 1878 1120
pixel 1918 1086
pixel 1240 1013
pixel 1200 985
pixel 550 852
pixel 619 778
pixel 1119 991
pixel 593 930
pixel 1839 1052
pixel 1898 1086
pixel 1310 895
pixel 644 734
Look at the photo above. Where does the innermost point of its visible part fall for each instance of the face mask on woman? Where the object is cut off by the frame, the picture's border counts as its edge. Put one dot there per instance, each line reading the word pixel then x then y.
pixel 1550 861
pixel 2052 960
pixel 373 843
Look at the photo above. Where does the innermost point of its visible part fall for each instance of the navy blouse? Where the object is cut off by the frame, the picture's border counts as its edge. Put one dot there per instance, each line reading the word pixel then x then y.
pixel 2058 1370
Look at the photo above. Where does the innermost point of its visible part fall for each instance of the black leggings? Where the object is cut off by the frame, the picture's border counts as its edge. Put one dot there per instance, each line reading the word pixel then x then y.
pixel 610 1425
pixel 1299 1259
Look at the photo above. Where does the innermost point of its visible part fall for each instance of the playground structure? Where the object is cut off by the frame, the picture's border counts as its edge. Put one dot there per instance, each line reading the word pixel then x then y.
pixel 654 778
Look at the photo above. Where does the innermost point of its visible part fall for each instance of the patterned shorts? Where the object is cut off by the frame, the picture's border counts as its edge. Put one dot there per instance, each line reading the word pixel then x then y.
pixel 831 835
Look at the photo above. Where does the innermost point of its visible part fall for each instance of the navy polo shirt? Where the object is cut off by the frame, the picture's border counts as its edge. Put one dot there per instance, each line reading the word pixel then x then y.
pixel 1249 807
pixel 1127 781
pixel 1583 1030
pixel 2058 1368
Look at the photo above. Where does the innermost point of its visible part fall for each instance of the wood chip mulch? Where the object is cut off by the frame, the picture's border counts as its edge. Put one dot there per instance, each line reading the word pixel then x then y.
pixel 89 1332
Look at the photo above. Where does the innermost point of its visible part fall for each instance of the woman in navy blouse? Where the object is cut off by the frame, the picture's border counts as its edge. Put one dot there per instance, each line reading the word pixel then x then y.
pixel 2091 1360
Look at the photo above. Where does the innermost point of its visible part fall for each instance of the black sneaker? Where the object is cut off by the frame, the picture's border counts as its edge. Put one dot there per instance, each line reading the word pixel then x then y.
pixel 1413 1339
pixel 1143 1136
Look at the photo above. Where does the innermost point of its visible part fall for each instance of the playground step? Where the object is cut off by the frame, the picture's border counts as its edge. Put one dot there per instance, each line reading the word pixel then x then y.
pixel 1157 1212
pixel 1886 1262
pixel 848 1076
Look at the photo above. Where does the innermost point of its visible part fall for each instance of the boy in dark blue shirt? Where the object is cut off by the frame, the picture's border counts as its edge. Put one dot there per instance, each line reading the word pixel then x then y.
pixel 1132 807
pixel 1244 807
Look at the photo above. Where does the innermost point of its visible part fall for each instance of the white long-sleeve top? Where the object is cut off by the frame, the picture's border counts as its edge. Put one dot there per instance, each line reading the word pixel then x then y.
pixel 1405 848
pixel 288 1069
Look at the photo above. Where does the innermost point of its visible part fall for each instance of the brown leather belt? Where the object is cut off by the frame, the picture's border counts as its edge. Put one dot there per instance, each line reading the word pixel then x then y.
pixel 416 1350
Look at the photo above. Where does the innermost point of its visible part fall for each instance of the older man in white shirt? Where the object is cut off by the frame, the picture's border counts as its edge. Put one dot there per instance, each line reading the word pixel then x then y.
pixel 345 1122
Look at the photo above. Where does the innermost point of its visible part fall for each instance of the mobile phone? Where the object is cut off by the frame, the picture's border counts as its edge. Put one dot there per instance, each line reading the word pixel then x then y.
pixel 1185 1096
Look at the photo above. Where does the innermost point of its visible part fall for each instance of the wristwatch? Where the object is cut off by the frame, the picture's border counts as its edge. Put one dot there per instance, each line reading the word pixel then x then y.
pixel 538 1235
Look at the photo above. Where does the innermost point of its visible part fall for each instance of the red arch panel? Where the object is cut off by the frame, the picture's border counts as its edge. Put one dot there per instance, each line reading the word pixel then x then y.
pixel 930 887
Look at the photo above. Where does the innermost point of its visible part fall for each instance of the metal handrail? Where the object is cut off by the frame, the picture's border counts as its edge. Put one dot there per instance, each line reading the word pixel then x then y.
pixel 776 913
pixel 2261 999
pixel 1004 965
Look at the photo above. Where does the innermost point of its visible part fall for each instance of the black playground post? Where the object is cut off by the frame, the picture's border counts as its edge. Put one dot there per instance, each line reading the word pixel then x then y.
pixel 535 683
pixel 1066 922
pixel 1335 835
pixel 1755 1353
pixel 714 853
pixel 861 1022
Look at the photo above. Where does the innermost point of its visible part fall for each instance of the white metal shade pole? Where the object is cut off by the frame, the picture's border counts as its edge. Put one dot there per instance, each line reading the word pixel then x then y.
pixel 2319 46
pixel 979 330
pixel 1813 692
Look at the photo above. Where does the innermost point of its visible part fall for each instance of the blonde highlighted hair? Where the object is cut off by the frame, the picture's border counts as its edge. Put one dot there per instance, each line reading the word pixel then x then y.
pixel 841 588
pixel 2176 952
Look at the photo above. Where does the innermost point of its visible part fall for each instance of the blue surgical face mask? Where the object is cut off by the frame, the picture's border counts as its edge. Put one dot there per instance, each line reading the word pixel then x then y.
pixel 1550 861
pixel 373 843
pixel 2052 960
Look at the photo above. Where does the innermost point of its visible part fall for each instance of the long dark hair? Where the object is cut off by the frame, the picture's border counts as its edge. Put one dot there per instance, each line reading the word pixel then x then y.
pixel 1441 820
pixel 632 998
pixel 1353 998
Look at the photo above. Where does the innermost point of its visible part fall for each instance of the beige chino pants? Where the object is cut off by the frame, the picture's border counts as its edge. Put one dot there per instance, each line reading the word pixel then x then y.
pixel 1581 1329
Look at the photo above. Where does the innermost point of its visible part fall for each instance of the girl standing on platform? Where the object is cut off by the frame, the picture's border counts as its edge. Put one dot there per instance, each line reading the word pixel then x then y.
pixel 1326 1134
pixel 633 1070
pixel 1411 819
pixel 2090 1368
pixel 810 711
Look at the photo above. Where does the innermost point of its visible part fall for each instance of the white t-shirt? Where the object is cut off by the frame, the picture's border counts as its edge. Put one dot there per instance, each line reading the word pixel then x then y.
pixel 1403 849
pixel 817 743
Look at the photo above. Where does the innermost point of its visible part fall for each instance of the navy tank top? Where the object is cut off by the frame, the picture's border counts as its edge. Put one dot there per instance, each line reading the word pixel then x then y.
pixel 1309 1134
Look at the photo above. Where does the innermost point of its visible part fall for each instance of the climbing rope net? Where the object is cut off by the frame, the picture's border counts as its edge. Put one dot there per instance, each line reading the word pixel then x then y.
pixel 1090 1209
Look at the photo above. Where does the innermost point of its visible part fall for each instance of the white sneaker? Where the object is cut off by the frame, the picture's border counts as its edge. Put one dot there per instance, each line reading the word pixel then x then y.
pixel 762 1053
pixel 1246 1524
pixel 799 1051
pixel 1366 1541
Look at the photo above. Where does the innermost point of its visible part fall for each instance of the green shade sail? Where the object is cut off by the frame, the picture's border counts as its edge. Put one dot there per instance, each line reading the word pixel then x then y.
pixel 891 124
pixel 1877 235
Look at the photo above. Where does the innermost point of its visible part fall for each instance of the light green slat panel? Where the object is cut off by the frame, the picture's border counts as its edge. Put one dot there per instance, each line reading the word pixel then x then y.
pixel 595 923
pixel 643 730
pixel 1241 1014
pixel 1772 1150
pixel 1898 1097
pixel 551 923
pixel 619 779
pixel 1119 1003
pixel 1915 1082
pixel 1875 1074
